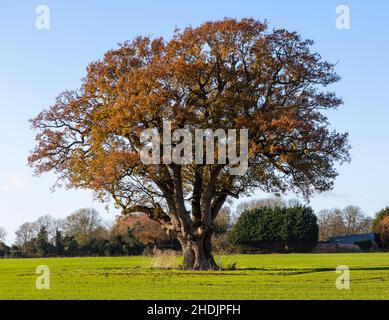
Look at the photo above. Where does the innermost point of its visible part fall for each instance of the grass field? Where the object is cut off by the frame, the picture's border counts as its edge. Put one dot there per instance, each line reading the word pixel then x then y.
pixel 295 276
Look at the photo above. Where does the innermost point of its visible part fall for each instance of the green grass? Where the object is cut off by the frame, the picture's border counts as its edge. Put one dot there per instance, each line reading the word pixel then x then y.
pixel 294 276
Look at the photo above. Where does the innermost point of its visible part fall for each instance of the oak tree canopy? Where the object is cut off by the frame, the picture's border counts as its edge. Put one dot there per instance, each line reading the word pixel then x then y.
pixel 227 74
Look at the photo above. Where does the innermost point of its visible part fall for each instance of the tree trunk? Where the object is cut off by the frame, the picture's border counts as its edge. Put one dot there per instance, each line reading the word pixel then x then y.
pixel 189 256
pixel 198 253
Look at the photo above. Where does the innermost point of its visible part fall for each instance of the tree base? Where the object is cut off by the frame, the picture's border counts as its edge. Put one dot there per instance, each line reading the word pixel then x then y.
pixel 196 259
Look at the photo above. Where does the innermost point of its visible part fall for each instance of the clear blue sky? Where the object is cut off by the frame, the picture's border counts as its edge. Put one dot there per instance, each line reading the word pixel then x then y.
pixel 38 64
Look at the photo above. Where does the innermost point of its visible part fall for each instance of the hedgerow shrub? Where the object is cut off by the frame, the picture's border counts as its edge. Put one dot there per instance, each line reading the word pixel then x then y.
pixel 364 245
pixel 276 229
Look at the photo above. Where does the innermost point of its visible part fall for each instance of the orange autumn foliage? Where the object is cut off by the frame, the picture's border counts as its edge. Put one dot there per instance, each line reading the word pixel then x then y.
pixel 143 228
pixel 382 229
pixel 227 74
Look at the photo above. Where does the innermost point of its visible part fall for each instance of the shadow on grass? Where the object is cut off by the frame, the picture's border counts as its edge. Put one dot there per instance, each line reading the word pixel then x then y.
pixel 275 271
pixel 296 271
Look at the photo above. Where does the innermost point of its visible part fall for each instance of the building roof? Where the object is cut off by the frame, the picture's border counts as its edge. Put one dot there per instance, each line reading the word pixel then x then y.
pixel 351 239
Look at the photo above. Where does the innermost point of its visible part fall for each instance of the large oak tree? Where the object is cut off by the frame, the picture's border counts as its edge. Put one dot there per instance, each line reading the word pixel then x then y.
pixel 224 74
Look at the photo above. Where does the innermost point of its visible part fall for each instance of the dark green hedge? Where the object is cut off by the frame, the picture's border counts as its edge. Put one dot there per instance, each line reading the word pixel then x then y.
pixel 276 229
pixel 364 245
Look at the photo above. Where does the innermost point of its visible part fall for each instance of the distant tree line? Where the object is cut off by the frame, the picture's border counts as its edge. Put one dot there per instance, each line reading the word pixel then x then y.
pixel 265 225
pixel 83 233
pixel 339 222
